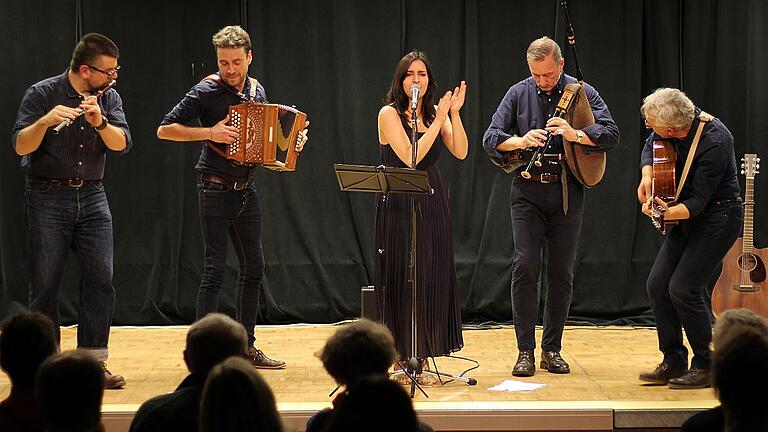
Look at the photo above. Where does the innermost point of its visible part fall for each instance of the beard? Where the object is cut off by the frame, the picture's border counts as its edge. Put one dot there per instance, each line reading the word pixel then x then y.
pixel 95 89
pixel 234 80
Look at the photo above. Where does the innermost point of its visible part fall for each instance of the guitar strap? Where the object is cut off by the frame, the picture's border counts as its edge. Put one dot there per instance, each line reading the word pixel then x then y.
pixel 703 118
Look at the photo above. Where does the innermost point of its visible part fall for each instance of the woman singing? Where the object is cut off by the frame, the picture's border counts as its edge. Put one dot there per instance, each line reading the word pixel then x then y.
pixel 438 311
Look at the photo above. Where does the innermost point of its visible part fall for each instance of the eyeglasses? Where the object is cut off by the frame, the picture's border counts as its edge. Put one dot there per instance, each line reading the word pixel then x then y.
pixel 108 73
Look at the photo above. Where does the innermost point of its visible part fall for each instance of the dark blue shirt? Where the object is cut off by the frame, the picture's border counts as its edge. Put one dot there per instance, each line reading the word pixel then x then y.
pixel 77 152
pixel 526 107
pixel 209 101
pixel 712 177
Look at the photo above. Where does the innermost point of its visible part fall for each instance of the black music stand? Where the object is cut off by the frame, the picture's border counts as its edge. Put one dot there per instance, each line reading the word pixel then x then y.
pixel 382 179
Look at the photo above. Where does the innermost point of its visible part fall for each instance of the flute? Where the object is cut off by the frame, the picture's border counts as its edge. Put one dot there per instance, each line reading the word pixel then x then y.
pixel 66 122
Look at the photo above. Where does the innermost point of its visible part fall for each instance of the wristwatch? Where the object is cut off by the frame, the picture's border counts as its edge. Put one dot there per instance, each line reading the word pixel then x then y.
pixel 579 136
pixel 104 123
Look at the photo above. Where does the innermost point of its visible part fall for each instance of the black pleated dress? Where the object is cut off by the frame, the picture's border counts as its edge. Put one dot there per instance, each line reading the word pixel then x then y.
pixel 437 307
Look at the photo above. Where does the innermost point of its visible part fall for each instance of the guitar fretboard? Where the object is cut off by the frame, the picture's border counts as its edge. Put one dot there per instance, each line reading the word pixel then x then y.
pixel 749 203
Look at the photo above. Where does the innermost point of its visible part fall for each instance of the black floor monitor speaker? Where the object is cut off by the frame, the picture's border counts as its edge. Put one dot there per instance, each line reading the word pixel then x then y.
pixel 368 303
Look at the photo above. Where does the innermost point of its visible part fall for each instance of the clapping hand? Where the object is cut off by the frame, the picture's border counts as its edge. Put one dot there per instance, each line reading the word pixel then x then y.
pixel 444 105
pixel 457 98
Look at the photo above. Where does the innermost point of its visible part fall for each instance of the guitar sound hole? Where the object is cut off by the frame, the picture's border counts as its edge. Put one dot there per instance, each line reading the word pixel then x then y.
pixel 747 262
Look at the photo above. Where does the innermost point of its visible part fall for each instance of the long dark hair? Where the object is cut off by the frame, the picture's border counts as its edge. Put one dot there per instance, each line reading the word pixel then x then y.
pixel 397 97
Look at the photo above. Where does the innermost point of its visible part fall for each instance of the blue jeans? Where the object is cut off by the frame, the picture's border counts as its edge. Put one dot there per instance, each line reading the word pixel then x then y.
pixel 60 219
pixel 537 217
pixel 235 214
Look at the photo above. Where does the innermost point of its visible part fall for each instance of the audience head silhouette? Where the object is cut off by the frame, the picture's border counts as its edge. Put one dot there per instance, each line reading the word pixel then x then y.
pixel 70 387
pixel 237 399
pixel 740 369
pixel 26 340
pixel 737 317
pixel 358 349
pixel 212 339
pixel 374 404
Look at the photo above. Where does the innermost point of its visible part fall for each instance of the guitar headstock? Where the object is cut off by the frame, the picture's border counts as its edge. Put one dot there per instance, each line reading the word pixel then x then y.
pixel 750 165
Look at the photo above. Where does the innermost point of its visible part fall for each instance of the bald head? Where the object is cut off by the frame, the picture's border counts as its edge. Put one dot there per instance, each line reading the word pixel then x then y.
pixel 213 339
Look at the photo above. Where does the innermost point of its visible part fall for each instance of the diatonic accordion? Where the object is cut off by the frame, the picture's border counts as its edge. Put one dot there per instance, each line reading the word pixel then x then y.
pixel 268 134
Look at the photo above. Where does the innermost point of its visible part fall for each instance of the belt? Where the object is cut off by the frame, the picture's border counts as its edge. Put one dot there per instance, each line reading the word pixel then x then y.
pixel 75 183
pixel 727 201
pixel 562 178
pixel 545 178
pixel 235 185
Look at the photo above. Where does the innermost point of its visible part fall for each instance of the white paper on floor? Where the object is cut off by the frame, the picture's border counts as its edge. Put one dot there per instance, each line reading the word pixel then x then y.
pixel 512 385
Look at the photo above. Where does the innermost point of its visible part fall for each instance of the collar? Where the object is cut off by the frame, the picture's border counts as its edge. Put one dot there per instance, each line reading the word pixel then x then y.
pixel 556 91
pixel 245 95
pixel 688 140
pixel 71 92
pixel 192 380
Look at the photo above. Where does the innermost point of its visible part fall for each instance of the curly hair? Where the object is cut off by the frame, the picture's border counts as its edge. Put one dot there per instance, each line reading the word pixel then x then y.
pixel 357 350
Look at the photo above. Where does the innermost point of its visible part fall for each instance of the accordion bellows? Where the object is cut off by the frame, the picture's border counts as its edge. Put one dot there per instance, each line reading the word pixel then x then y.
pixel 268 133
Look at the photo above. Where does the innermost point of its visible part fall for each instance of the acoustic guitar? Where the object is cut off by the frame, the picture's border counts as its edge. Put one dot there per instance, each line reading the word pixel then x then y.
pixel 741 283
pixel 663 183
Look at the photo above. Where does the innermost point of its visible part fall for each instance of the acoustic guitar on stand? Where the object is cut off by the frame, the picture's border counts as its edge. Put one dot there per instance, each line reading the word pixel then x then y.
pixel 741 283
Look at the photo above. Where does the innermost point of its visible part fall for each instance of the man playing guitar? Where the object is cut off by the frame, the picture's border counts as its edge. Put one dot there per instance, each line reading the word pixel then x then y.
pixel 709 215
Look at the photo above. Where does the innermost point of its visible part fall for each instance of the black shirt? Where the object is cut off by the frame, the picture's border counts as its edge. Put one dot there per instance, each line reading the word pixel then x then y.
pixel 712 178
pixel 176 411
pixel 209 102
pixel 77 152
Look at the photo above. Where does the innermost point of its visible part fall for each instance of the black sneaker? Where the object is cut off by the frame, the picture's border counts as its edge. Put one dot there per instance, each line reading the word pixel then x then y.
pixel 259 360
pixel 111 381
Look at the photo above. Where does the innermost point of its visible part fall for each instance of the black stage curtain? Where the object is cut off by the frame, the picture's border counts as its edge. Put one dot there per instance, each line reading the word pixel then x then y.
pixel 334 59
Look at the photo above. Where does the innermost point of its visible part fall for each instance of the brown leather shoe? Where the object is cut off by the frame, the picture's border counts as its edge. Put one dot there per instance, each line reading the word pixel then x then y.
pixel 525 365
pixel 111 381
pixel 662 374
pixel 259 360
pixel 553 363
pixel 695 378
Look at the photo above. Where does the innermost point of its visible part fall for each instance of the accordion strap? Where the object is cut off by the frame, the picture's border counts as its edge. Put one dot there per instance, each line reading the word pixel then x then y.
pixel 251 97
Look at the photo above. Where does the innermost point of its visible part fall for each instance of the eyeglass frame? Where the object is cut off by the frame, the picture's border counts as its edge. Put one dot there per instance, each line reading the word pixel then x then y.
pixel 107 73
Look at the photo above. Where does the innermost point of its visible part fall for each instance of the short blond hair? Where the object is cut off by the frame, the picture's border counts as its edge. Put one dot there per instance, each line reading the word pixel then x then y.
pixel 541 48
pixel 669 107
pixel 232 37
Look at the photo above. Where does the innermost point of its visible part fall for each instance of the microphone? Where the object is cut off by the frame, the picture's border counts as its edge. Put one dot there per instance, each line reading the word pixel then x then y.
pixel 414 97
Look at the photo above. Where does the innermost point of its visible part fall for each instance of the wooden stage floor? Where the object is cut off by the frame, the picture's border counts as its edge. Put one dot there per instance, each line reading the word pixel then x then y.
pixel 601 393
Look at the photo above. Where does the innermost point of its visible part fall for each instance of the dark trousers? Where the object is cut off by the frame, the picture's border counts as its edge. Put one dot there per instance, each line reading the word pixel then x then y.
pixel 60 219
pixel 679 277
pixel 227 213
pixel 537 217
